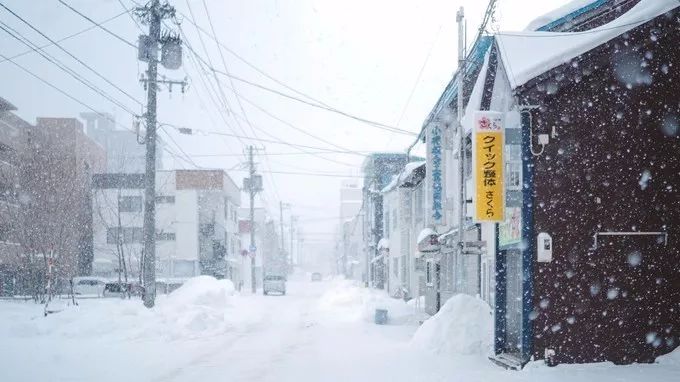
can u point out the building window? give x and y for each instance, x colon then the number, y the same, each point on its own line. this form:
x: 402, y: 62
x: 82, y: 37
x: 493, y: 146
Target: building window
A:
x: 387, y: 222
x: 130, y: 204
x: 513, y: 167
x: 468, y: 157
x: 184, y: 268
x: 419, y: 264
x: 129, y: 235
x: 394, y: 220
x: 428, y: 272
x: 165, y: 199
x: 419, y: 204
x: 165, y: 236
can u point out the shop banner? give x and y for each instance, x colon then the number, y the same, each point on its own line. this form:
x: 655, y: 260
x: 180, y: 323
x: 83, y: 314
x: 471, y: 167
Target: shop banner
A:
x: 487, y: 167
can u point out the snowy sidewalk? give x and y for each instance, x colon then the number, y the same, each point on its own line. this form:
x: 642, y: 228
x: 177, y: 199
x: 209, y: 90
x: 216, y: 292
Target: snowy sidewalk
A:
x: 318, y: 332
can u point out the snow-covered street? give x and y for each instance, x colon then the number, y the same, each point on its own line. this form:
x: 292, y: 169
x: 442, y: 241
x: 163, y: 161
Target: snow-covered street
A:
x: 320, y: 331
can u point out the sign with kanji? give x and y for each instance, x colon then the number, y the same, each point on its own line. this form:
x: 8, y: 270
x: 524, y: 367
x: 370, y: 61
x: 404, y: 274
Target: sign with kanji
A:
x: 436, y: 176
x: 487, y: 167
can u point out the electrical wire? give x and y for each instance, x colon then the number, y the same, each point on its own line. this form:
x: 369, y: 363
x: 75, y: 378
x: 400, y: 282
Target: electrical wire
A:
x: 65, y: 37
x: 99, y: 25
x: 55, y: 43
x: 6, y: 28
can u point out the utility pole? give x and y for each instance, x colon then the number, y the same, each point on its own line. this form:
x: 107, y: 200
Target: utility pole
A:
x: 292, y: 221
x: 153, y: 14
x: 460, y: 17
x: 253, y: 188
x: 283, y: 246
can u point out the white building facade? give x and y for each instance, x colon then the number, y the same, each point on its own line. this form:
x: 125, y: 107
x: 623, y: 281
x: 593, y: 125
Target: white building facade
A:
x: 196, y: 224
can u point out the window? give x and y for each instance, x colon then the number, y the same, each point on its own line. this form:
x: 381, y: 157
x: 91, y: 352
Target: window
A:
x: 165, y: 199
x: 130, y: 204
x: 129, y: 235
x: 468, y: 157
x: 419, y: 264
x: 394, y: 219
x: 165, y: 236
x: 419, y: 204
x: 428, y: 272
x: 513, y: 167
x: 183, y: 268
x: 387, y: 222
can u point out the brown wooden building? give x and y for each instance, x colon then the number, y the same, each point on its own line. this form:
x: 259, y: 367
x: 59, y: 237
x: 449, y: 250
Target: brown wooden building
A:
x: 596, y: 114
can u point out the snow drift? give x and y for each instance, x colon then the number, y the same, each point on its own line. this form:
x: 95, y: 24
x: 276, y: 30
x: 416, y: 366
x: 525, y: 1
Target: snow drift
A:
x: 463, y: 326
x: 349, y: 301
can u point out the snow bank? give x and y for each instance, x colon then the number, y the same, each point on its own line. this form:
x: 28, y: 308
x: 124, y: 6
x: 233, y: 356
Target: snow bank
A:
x: 197, y: 307
x: 463, y: 326
x: 349, y: 301
x: 201, y: 307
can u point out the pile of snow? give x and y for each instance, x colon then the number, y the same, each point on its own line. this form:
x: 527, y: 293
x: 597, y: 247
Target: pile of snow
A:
x: 350, y: 301
x: 463, y: 326
x: 198, y: 307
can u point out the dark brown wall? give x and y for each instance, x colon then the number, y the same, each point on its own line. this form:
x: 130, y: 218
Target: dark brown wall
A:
x: 616, y: 118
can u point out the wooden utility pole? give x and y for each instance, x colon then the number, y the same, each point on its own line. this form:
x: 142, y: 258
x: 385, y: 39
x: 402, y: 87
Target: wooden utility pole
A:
x: 153, y: 14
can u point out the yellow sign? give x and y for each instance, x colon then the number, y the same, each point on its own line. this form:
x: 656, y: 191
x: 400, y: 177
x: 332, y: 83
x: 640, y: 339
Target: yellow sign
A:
x: 488, y: 140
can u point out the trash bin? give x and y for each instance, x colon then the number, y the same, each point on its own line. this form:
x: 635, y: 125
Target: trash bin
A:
x: 381, y: 316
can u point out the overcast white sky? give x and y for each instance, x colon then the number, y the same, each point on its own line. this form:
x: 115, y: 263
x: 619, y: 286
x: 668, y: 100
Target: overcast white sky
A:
x: 359, y: 56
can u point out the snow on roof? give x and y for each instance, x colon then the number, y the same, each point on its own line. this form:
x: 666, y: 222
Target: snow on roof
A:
x: 391, y: 185
x: 549, y: 19
x: 527, y: 55
x: 409, y: 169
x: 424, y: 234
x: 475, y: 101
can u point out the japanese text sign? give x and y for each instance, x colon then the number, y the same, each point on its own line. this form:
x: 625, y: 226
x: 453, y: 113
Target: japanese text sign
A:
x: 487, y: 167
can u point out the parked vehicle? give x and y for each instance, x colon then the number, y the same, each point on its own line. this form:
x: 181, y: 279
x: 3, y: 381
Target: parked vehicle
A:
x: 122, y: 289
x: 274, y: 283
x: 92, y: 286
x: 316, y: 276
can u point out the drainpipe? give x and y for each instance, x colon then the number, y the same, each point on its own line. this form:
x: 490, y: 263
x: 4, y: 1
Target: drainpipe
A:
x: 460, y: 17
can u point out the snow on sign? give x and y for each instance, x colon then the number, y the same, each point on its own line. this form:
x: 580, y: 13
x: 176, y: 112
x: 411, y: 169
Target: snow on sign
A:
x: 488, y: 140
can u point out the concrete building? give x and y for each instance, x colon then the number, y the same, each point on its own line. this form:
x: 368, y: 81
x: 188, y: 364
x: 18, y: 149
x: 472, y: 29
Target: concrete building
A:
x: 378, y: 169
x: 196, y: 223
x: 124, y: 153
x: 58, y: 164
x: 404, y: 219
x: 12, y: 146
x: 267, y: 252
x: 348, y: 257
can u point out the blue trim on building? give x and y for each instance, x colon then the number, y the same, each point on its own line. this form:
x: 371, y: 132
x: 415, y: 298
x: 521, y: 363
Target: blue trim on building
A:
x: 571, y: 16
x: 528, y: 237
x: 475, y: 59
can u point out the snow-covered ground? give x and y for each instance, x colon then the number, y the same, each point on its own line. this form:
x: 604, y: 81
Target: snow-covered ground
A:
x: 320, y: 331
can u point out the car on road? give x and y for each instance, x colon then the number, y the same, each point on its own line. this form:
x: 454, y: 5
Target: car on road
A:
x: 316, y: 276
x: 122, y: 289
x: 88, y: 286
x: 274, y: 283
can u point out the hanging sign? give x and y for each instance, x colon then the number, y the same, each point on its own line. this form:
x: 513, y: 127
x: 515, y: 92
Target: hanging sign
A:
x: 435, y: 176
x: 487, y: 167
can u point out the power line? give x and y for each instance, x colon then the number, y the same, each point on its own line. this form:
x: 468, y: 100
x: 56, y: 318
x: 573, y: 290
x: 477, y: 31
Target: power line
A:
x: 99, y: 25
x: 311, y: 174
x: 254, y: 67
x: 134, y: 20
x: 55, y: 43
x: 6, y: 28
x: 65, y: 38
x: 69, y: 96
x: 288, y: 153
x: 180, y: 128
